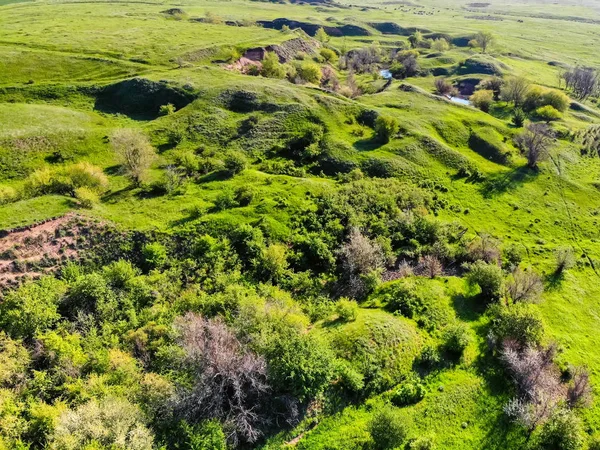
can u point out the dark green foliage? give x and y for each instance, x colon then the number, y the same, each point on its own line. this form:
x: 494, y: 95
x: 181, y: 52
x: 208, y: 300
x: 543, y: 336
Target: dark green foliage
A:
x: 388, y: 428
x: 31, y: 309
x: 408, y: 393
x: 563, y: 431
x: 235, y: 162
x: 456, y: 339
x: 520, y: 323
x: 205, y: 436
x: 155, y: 255
x: 300, y: 365
x: 488, y: 277
x: 404, y: 298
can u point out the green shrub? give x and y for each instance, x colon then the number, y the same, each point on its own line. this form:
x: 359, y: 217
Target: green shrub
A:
x: 235, y: 162
x: 328, y: 55
x: 155, y: 255
x: 309, y: 72
x: 456, y: 339
x: 489, y: 279
x: 86, y: 197
x: 118, y: 273
x: 188, y: 161
x: 483, y: 100
x: 271, y: 67
x: 225, y: 200
x: 422, y: 443
x: 403, y: 297
x: 8, y: 194
x: 557, y: 99
x: 388, y: 428
x: 300, y: 365
x: 563, y: 431
x: 386, y: 128
x: 166, y: 110
x: 521, y: 323
x: 32, y: 308
x: 548, y: 113
x: 244, y: 195
x: 518, y: 117
x: 430, y: 357
x: 408, y: 393
x: 346, y: 310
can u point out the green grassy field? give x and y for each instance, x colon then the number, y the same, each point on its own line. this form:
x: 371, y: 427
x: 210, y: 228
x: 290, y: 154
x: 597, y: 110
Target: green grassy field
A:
x: 57, y: 59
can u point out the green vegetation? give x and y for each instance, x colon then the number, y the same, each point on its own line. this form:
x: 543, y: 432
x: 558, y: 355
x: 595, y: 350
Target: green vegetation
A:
x: 312, y: 225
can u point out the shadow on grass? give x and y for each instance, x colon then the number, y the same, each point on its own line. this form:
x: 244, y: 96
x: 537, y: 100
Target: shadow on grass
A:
x: 113, y: 170
x: 553, y: 281
x: 220, y: 175
x: 468, y: 308
x: 367, y: 144
x: 115, y: 196
x: 502, y: 183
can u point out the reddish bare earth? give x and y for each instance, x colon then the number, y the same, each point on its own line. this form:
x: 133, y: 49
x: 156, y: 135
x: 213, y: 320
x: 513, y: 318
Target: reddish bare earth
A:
x: 38, y: 249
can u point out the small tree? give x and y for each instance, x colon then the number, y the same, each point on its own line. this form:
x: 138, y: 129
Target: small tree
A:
x: 443, y: 86
x: 484, y: 39
x: 440, y: 45
x: 415, y: 39
x: 386, y: 127
x: 518, y: 117
x: 548, y: 113
x: 493, y: 84
x: 525, y: 287
x: 564, y: 260
x: 483, y: 100
x: 134, y: 152
x: 514, y: 90
x: 536, y: 142
x: 322, y: 36
x: 309, y: 72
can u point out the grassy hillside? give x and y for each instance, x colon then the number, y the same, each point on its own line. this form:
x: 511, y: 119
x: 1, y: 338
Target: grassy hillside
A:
x: 297, y: 252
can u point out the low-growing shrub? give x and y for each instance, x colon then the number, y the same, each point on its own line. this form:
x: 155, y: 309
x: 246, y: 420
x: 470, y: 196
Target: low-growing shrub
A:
x: 388, y: 428
x: 456, y: 339
x: 489, y: 279
x: 86, y: 197
x: 244, y: 195
x: 408, y: 393
x: 235, y: 162
x: 386, y: 128
x: 483, y: 100
x: 548, y: 113
x: 166, y: 110
x: 346, y: 310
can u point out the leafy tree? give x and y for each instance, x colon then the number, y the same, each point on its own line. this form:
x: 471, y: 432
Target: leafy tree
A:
x: 440, y: 45
x: 31, y: 309
x: 301, y: 365
x: 415, y: 39
x: 108, y: 423
x: 520, y: 323
x: 134, y: 152
x: 514, y: 90
x: 484, y: 39
x: 322, y: 36
x: 535, y: 141
x: 493, y: 84
x: 309, y: 72
x: 386, y: 128
x: 328, y: 55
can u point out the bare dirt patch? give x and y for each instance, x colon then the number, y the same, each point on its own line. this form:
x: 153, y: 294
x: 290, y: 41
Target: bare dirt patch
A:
x: 32, y: 251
